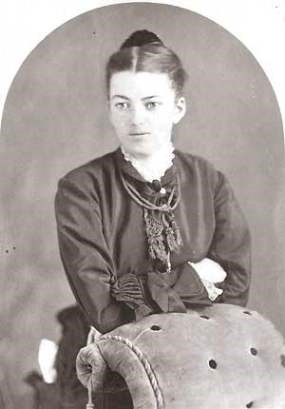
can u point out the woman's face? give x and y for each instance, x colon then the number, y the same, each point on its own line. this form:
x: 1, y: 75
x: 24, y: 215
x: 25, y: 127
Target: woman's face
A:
x: 143, y: 109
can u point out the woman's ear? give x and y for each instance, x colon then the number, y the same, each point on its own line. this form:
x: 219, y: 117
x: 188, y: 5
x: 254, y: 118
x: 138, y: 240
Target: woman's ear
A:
x: 180, y: 109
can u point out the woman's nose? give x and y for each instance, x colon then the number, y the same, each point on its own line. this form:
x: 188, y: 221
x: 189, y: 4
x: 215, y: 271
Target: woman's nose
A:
x: 137, y: 116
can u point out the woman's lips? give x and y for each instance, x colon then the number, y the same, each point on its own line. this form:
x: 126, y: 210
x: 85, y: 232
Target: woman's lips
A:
x: 139, y: 133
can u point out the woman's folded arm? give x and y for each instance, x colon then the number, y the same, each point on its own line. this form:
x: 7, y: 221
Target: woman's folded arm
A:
x: 85, y: 255
x: 230, y: 246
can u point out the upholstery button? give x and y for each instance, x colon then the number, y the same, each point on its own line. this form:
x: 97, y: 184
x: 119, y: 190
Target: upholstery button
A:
x: 213, y: 364
x: 205, y: 317
x: 253, y: 351
x: 250, y: 404
x: 155, y: 328
x: 247, y: 312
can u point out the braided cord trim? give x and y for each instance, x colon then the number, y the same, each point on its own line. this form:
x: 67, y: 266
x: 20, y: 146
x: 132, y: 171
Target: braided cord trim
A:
x: 147, y: 367
x: 140, y: 200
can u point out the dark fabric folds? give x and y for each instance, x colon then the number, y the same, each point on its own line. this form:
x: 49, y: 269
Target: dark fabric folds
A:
x: 129, y: 289
x: 165, y: 297
x: 190, y: 287
x: 155, y: 292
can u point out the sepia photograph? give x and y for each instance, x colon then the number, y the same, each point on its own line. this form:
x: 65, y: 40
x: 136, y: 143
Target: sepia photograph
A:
x: 142, y: 209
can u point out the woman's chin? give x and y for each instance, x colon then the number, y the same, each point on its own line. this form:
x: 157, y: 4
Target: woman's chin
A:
x: 141, y: 151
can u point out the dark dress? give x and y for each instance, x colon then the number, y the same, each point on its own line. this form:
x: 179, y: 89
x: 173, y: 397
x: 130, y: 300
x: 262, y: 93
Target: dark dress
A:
x: 102, y: 236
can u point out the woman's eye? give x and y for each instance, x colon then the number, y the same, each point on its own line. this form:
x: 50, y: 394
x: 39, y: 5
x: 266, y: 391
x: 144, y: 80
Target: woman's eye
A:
x: 151, y: 105
x: 122, y: 106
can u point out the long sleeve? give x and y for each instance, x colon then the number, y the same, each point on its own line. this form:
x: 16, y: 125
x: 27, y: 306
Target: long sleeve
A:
x: 230, y: 246
x: 85, y: 255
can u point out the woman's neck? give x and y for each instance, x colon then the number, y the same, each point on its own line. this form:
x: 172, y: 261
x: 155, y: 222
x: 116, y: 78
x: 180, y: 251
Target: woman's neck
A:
x: 153, y: 166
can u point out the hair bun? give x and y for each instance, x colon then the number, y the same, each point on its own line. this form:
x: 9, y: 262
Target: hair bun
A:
x: 141, y: 37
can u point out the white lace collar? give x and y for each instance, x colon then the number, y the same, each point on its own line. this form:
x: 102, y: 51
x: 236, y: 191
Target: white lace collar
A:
x: 153, y: 167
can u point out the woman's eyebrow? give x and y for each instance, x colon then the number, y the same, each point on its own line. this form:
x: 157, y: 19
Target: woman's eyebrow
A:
x: 152, y: 96
x: 120, y: 96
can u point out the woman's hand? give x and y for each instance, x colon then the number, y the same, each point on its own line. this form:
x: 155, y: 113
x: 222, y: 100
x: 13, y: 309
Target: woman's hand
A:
x: 209, y: 270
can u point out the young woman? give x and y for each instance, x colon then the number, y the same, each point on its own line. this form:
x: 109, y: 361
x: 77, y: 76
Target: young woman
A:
x: 136, y: 225
x: 130, y: 221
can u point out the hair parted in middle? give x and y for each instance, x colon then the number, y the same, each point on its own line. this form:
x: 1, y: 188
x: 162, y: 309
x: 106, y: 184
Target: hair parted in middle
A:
x: 143, y: 51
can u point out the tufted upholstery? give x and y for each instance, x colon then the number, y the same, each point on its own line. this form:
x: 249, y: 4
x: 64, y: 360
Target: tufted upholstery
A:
x: 222, y: 357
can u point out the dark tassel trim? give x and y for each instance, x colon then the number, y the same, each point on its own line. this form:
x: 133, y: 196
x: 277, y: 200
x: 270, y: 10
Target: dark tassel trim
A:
x: 154, y: 233
x: 176, y: 239
x: 163, y: 234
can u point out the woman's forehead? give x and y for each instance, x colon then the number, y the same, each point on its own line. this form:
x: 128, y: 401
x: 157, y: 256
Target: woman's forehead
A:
x: 140, y: 84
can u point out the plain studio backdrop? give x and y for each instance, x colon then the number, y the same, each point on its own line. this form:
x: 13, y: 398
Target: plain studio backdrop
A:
x: 55, y: 118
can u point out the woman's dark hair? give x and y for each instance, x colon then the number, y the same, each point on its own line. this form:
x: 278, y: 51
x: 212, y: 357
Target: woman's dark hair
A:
x: 143, y: 51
